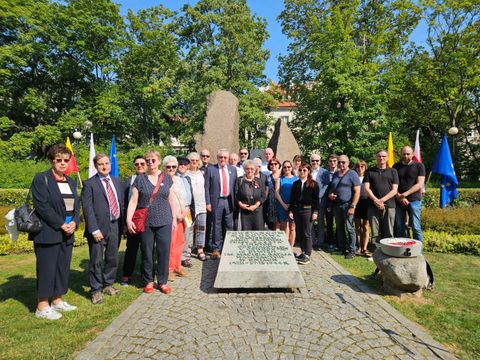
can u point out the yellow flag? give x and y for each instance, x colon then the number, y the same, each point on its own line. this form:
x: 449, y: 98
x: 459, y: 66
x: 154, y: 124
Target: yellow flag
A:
x: 391, y: 156
x: 72, y: 164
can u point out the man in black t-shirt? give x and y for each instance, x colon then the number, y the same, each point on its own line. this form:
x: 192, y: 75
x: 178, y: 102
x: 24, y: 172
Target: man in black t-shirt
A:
x: 381, y: 184
x: 411, y: 177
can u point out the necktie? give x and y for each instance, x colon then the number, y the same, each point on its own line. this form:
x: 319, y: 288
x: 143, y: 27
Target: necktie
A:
x: 114, y: 210
x: 224, y: 182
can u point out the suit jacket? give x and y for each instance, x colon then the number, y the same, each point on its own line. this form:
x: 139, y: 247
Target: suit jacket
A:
x: 50, y: 208
x: 96, y: 210
x: 212, y: 184
x: 323, y: 181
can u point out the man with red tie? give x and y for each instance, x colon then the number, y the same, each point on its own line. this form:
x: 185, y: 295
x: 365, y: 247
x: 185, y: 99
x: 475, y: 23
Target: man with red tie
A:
x: 220, y: 183
x: 103, y: 204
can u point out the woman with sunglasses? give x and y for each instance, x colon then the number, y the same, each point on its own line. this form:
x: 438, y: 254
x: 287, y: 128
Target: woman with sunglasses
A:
x: 283, y: 190
x: 303, y: 210
x: 270, y: 205
x: 362, y: 230
x: 250, y: 197
x: 57, y: 206
x: 198, y: 188
x: 158, y: 227
x: 170, y: 165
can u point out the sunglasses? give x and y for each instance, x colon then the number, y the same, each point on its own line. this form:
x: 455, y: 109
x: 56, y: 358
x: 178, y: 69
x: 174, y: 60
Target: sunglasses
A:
x: 206, y: 156
x: 153, y: 161
x: 243, y: 153
x: 314, y: 160
x: 223, y: 157
x: 274, y: 164
x: 58, y: 161
x: 170, y: 167
x: 139, y: 164
x: 303, y: 170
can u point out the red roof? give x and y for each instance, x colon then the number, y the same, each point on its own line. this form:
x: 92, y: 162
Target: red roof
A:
x: 285, y: 104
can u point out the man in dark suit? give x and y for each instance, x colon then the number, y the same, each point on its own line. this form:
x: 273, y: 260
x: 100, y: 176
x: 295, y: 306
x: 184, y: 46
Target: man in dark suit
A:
x: 103, y: 207
x: 220, y: 188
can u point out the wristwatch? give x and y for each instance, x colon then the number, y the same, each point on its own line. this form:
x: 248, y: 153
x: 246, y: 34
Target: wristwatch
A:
x: 353, y: 206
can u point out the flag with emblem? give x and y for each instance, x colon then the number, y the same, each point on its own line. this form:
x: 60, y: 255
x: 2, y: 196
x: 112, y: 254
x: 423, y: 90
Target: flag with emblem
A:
x: 443, y: 165
x: 113, y: 158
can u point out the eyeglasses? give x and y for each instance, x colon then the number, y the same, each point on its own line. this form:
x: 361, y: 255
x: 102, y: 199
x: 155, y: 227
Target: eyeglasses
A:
x: 206, y: 156
x: 223, y: 157
x: 271, y: 164
x: 342, y: 162
x: 303, y: 170
x: 244, y: 153
x: 139, y: 164
x: 287, y: 167
x: 314, y: 160
x: 170, y: 167
x: 58, y: 161
x: 153, y: 161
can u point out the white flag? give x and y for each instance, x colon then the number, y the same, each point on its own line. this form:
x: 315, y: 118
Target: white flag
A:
x: 91, y: 167
x: 416, y: 152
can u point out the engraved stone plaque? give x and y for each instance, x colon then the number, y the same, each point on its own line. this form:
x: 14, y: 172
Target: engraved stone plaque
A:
x: 257, y: 259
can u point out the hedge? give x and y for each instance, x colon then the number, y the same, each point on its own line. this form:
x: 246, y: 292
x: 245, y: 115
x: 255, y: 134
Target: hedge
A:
x: 452, y: 220
x: 444, y: 242
x: 466, y: 198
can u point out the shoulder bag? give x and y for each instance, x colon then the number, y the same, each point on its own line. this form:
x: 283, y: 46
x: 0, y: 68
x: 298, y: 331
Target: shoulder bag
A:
x: 139, y: 217
x: 25, y: 217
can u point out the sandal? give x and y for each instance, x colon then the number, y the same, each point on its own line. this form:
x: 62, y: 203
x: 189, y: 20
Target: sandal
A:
x: 201, y: 256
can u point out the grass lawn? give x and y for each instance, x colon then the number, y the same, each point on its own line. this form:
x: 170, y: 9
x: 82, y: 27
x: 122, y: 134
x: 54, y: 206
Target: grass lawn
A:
x: 451, y: 312
x: 23, y: 336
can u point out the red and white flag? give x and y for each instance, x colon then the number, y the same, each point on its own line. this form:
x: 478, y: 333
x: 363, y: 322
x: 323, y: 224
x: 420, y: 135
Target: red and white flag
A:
x: 417, y: 156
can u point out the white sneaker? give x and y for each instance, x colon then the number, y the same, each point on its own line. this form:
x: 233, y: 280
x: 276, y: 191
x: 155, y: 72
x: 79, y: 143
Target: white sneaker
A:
x: 48, y: 313
x: 63, y: 306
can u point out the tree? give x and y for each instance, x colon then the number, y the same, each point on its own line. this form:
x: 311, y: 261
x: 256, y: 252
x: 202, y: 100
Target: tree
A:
x: 339, y: 68
x: 222, y: 44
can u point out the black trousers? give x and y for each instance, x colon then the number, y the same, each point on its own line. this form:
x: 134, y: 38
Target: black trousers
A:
x: 104, y: 259
x: 156, y: 239
x: 329, y: 217
x: 303, y: 228
x: 130, y: 259
x: 53, y: 268
x: 252, y: 220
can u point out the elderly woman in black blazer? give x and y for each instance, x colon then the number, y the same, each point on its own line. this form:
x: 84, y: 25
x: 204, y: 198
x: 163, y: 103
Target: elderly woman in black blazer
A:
x: 57, y: 205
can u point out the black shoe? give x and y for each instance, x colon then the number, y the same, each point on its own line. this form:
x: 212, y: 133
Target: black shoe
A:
x: 304, y: 260
x: 349, y: 256
x: 299, y: 257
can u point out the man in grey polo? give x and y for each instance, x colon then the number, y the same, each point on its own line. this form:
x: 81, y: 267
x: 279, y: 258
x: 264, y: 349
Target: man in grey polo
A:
x: 381, y: 185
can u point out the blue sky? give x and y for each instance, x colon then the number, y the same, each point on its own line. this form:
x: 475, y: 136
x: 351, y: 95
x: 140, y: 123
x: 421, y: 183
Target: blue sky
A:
x: 268, y: 9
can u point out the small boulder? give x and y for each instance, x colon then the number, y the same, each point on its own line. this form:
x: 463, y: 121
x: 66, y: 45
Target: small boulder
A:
x: 401, y: 275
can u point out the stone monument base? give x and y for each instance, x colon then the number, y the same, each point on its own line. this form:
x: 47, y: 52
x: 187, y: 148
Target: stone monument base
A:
x: 257, y: 259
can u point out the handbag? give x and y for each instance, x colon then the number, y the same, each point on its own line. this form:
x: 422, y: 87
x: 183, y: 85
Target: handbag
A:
x: 26, y: 219
x: 139, y: 217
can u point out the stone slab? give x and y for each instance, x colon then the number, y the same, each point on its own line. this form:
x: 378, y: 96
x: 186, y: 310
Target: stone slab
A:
x: 257, y: 259
x: 283, y: 142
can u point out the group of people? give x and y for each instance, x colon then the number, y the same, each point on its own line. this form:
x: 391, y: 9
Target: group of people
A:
x: 192, y: 203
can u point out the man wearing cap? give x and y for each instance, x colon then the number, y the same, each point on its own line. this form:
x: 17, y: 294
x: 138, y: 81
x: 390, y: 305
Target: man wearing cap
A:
x: 183, y: 163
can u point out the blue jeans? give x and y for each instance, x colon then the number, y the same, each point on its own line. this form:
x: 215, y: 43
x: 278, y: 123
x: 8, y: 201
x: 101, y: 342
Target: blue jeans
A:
x: 413, y: 209
x: 345, y: 223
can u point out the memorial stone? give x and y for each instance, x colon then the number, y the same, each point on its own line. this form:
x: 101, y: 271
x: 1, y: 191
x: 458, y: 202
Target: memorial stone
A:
x: 257, y: 259
x: 283, y: 142
x: 222, y: 123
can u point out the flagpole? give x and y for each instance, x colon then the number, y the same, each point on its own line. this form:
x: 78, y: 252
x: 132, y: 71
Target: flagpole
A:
x: 80, y: 180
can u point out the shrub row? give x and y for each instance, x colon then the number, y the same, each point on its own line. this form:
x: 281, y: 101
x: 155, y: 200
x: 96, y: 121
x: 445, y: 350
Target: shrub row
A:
x: 466, y: 198
x: 12, y: 197
x: 452, y: 220
x: 444, y: 242
x: 23, y: 245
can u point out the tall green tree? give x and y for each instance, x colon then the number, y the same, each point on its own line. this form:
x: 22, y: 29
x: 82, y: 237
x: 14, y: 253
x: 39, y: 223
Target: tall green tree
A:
x: 222, y: 44
x: 341, y: 59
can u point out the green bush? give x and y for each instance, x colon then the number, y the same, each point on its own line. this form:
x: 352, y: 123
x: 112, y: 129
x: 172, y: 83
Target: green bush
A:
x: 466, y: 198
x: 444, y: 242
x: 452, y: 220
x: 12, y: 197
x: 23, y: 245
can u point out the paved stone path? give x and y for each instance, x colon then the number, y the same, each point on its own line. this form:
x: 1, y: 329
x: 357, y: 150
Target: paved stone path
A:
x: 335, y: 317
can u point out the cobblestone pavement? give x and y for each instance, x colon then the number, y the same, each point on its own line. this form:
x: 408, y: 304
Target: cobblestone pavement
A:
x: 335, y: 317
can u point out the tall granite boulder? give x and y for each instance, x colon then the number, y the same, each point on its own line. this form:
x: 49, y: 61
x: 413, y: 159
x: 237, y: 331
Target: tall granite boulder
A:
x: 402, y: 275
x: 221, y: 126
x: 283, y: 142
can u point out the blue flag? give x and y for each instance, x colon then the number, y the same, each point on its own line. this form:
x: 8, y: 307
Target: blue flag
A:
x: 113, y: 158
x: 443, y: 165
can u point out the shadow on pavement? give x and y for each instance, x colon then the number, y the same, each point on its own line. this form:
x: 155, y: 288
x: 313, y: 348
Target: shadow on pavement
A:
x: 354, y: 283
